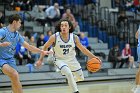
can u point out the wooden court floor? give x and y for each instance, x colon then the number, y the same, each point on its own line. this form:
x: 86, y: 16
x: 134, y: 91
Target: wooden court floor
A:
x: 88, y: 87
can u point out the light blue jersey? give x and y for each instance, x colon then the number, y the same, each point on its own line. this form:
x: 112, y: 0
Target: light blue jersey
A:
x: 7, y: 53
x: 138, y: 48
x: 13, y: 38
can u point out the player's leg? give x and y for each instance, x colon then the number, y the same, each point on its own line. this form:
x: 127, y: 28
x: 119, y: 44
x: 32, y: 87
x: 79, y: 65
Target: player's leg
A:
x: 8, y: 68
x: 65, y: 70
x: 78, y: 75
x: 76, y: 69
x: 72, y: 83
x: 14, y: 77
x: 137, y: 90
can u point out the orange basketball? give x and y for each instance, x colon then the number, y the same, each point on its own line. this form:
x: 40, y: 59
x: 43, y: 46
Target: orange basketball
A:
x: 93, y: 65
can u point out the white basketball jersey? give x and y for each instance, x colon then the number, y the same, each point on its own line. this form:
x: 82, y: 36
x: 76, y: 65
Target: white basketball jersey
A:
x: 64, y: 50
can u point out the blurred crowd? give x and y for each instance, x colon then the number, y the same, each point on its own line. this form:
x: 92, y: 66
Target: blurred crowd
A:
x: 52, y: 12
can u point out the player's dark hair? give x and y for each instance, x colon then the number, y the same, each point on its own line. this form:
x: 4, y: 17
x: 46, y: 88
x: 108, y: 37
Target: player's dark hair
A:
x: 14, y: 17
x: 59, y: 24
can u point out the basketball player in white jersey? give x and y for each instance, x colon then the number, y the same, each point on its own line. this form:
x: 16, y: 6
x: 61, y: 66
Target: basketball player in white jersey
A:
x: 137, y: 35
x: 64, y: 42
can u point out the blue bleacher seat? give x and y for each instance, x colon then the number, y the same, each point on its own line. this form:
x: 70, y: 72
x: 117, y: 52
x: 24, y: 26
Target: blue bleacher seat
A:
x: 116, y: 40
x: 121, y: 45
x: 90, y: 32
x: 100, y: 35
x: 95, y: 30
x: 134, y: 53
x: 110, y: 41
x: 104, y: 34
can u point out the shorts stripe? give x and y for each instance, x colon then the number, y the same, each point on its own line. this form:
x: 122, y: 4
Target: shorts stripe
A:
x: 3, y: 65
x: 63, y: 66
x: 77, y: 70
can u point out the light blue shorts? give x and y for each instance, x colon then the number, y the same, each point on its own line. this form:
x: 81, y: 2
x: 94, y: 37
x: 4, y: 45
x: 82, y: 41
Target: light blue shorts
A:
x: 138, y: 54
x: 11, y: 62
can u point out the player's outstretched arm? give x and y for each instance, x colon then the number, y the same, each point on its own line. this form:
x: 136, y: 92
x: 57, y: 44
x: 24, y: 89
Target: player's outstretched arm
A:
x: 45, y: 47
x: 83, y: 49
x: 34, y: 49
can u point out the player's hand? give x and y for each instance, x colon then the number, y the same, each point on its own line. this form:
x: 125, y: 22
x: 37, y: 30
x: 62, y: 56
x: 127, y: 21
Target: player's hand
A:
x: 38, y: 63
x: 99, y: 59
x: 4, y: 44
x: 46, y: 52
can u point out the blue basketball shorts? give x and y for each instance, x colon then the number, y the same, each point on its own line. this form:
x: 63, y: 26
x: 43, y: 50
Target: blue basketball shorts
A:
x: 11, y: 62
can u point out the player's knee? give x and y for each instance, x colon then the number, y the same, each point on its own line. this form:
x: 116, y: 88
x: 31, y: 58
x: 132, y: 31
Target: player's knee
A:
x: 14, y: 75
x: 69, y: 74
x: 66, y: 71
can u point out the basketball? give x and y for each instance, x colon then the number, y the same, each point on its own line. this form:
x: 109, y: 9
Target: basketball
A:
x: 94, y: 65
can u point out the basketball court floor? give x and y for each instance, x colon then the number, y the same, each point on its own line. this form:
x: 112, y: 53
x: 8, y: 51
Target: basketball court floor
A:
x: 123, y: 86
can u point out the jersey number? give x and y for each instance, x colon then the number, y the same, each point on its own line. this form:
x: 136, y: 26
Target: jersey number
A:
x: 65, y: 51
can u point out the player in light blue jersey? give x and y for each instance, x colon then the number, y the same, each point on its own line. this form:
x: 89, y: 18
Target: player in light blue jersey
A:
x: 64, y: 43
x: 137, y: 35
x: 9, y: 37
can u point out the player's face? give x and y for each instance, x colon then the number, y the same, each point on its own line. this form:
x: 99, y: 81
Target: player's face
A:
x: 64, y: 27
x: 17, y: 25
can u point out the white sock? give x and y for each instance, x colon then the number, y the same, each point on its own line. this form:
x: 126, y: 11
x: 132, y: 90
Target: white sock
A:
x: 72, y: 83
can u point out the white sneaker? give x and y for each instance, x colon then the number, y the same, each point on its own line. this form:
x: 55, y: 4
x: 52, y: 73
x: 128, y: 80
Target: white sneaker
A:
x: 137, y: 90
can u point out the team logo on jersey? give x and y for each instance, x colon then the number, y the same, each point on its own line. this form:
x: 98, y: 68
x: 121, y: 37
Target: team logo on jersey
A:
x: 65, y: 46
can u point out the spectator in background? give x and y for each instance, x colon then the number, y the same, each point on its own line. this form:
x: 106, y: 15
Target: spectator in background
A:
x: 40, y: 41
x: 127, y: 57
x: 22, y: 53
x: 40, y: 16
x: 46, y: 38
x: 122, y: 19
x: 84, y: 41
x: 68, y: 15
x: 114, y: 56
x: 33, y: 56
x: 136, y: 3
x: 129, y: 4
x: 28, y: 5
x: 2, y: 20
x: 52, y: 14
x: 27, y: 36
